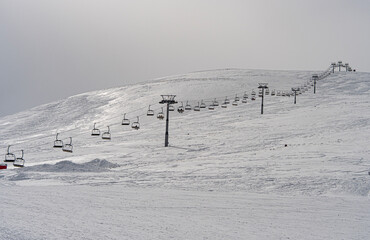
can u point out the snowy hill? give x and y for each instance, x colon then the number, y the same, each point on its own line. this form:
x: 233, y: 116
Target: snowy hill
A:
x: 298, y: 171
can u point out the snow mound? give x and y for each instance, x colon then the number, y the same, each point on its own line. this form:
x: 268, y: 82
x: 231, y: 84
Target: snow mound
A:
x: 96, y: 165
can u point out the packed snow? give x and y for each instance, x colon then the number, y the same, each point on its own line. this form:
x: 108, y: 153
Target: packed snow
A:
x: 299, y: 171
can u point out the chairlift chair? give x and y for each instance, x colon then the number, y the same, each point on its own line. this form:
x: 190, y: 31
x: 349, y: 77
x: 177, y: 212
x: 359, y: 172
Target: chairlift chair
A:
x: 211, y: 107
x: 273, y: 93
x: 215, y: 103
x: 260, y: 93
x: 19, y: 162
x: 283, y: 93
x: 253, y: 98
x: 180, y: 109
x: 136, y: 125
x: 95, y: 131
x: 237, y: 99
x: 58, y: 143
x: 245, y: 95
x: 203, y: 105
x: 125, y: 121
x: 150, y: 112
x: 235, y: 103
x: 227, y: 101
x: 68, y: 147
x: 224, y: 104
x: 253, y: 93
x: 267, y: 92
x: 278, y: 93
x: 187, y: 106
x: 9, y: 157
x: 160, y: 115
x: 171, y: 108
x: 244, y: 100
x: 197, y: 108
x: 106, y: 135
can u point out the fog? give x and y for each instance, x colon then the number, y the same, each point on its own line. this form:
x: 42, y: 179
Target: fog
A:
x: 54, y: 49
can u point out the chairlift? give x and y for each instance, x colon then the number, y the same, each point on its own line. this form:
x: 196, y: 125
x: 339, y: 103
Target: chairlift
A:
x: 253, y: 98
x: 224, y: 104
x: 68, y: 147
x: 260, y: 93
x: 227, y: 101
x: 235, y: 103
x: 150, y: 112
x: 171, y: 108
x: 160, y: 115
x: 244, y: 100
x: 236, y: 98
x: 125, y: 121
x: 245, y: 95
x: 9, y: 157
x: 267, y: 92
x: 187, y: 106
x: 278, y: 93
x: 58, y: 143
x: 136, y: 125
x: 283, y: 94
x: 211, y: 107
x: 19, y: 162
x: 180, y: 109
x: 253, y: 93
x: 215, y: 103
x: 273, y: 93
x: 197, y: 108
x: 106, y: 135
x: 95, y: 131
x: 203, y: 105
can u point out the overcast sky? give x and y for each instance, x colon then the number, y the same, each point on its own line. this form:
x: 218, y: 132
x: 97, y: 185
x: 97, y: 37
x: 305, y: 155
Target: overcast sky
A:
x: 51, y: 49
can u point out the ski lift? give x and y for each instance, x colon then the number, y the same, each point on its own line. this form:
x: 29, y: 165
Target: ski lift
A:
x: 273, y: 93
x: 9, y: 157
x: 267, y: 92
x: 278, y: 93
x: 125, y: 121
x: 215, y: 103
x: 197, y: 108
x: 58, y: 143
x: 171, y: 108
x: 227, y: 101
x: 253, y: 93
x: 211, y: 107
x: 253, y: 98
x: 180, y: 109
x: 283, y: 93
x: 106, y: 135
x: 160, y: 115
x: 202, y: 105
x: 245, y: 95
x: 236, y: 98
x: 187, y: 106
x: 68, y: 147
x: 150, y: 112
x: 136, y: 125
x: 224, y: 104
x: 235, y: 103
x: 244, y: 100
x: 19, y: 162
x: 3, y: 166
x: 95, y: 131
x: 260, y: 93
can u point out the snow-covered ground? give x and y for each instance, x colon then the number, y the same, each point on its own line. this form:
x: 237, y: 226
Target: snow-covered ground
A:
x: 299, y: 171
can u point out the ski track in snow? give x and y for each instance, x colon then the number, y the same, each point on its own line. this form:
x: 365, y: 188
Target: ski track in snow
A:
x: 226, y: 175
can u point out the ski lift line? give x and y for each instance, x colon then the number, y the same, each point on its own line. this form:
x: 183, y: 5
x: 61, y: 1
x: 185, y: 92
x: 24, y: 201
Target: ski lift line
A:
x: 324, y: 74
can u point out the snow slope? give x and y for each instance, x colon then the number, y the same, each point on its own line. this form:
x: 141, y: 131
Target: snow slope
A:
x: 296, y: 172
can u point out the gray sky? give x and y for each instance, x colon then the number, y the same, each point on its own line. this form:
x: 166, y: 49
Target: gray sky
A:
x: 51, y: 49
